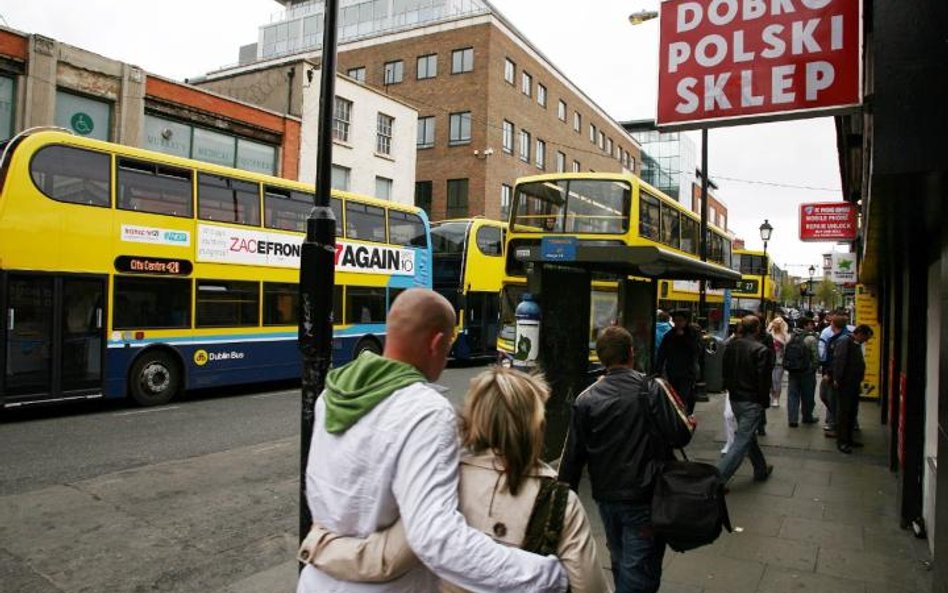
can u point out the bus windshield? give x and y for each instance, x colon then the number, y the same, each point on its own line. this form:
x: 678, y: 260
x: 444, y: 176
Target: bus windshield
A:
x: 593, y: 206
x: 447, y: 245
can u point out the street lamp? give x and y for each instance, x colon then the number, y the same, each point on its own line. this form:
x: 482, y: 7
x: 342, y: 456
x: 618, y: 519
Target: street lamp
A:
x: 812, y: 271
x: 765, y: 231
x: 637, y: 18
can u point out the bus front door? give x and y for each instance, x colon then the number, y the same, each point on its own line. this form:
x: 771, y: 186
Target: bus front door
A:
x: 54, y: 337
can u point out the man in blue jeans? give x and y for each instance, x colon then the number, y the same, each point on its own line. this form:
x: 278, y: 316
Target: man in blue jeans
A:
x: 747, y: 378
x: 623, y: 427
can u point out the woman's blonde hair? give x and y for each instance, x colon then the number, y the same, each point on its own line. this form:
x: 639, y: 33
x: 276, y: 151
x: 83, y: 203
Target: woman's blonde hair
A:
x: 778, y: 326
x: 504, y: 413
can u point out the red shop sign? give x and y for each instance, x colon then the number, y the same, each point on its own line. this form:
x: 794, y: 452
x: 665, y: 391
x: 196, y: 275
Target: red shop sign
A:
x: 828, y: 221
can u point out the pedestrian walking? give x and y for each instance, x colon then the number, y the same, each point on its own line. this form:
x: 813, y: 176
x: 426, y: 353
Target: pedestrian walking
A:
x: 778, y: 331
x: 623, y: 427
x: 662, y: 326
x: 801, y: 361
x: 838, y: 327
x: 385, y: 446
x: 849, y: 369
x: 747, y: 376
x: 678, y: 356
x: 505, y: 491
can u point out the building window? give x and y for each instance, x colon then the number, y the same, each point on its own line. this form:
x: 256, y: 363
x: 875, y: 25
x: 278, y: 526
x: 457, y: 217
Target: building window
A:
x: 631, y: 163
x: 576, y: 167
x: 560, y: 162
x: 610, y: 146
x: 506, y: 195
x: 84, y: 116
x: 510, y: 71
x: 383, y: 134
x: 341, y: 117
x: 525, y: 146
x: 460, y: 128
x: 561, y: 110
x: 426, y: 131
x: 340, y: 177
x: 508, y: 137
x: 7, y: 95
x: 427, y: 66
x: 394, y: 72
x: 541, y: 95
x: 462, y: 60
x: 526, y: 84
x: 423, y: 196
x: 171, y: 137
x: 357, y: 73
x: 577, y: 121
x: 592, y: 133
x: 541, y: 154
x: 383, y: 188
x: 457, y: 198
x: 602, y: 140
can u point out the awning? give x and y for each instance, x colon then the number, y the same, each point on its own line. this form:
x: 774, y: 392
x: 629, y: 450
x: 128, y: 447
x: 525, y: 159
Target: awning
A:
x: 623, y: 260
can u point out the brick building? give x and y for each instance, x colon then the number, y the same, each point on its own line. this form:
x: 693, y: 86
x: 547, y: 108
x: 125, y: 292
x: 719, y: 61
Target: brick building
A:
x: 490, y: 106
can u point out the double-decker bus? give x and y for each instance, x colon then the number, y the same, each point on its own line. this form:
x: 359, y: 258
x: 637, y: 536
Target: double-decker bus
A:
x: 686, y: 294
x: 757, y: 278
x: 598, y: 208
x: 130, y: 272
x: 468, y: 256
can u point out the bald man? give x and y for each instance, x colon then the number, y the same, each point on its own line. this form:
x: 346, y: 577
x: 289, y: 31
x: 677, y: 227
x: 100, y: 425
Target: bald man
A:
x: 385, y: 445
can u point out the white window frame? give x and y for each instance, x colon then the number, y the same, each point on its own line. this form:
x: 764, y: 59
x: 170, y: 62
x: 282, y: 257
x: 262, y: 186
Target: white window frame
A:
x: 384, y: 124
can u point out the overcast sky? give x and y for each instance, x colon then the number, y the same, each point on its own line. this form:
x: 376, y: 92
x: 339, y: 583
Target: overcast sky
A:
x: 763, y: 171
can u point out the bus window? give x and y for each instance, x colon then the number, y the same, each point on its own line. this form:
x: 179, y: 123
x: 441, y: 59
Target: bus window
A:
x: 223, y: 199
x: 406, y: 229
x: 285, y: 209
x: 73, y: 175
x: 540, y: 205
x: 365, y: 222
x: 650, y: 213
x: 596, y: 207
x: 150, y: 187
x: 689, y: 234
x: 365, y: 305
x: 280, y: 303
x: 227, y: 303
x: 670, y: 227
x: 337, y: 305
x: 151, y: 303
x: 489, y: 240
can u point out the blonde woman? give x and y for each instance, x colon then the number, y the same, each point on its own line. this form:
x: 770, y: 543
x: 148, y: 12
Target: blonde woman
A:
x: 778, y: 331
x: 505, y: 492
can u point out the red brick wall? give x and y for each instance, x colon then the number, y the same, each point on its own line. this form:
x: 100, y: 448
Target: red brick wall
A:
x: 13, y: 45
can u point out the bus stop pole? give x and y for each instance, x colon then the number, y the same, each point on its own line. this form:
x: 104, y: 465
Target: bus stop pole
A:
x: 317, y: 264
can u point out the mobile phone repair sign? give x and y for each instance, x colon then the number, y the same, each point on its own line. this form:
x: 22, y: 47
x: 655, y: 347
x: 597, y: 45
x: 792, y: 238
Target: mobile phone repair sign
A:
x: 724, y: 62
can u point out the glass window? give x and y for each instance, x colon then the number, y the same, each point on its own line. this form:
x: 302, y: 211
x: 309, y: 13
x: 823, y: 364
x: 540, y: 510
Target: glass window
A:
x: 689, y: 234
x: 592, y: 133
x: 227, y: 303
x: 426, y: 132
x: 508, y: 133
x: 405, y: 228
x: 342, y: 114
x: 423, y: 191
x: 383, y: 133
x: 561, y: 110
x: 506, y: 194
x: 280, y: 303
x: 526, y: 84
x: 462, y: 60
x: 457, y: 198
x: 151, y: 303
x: 84, y: 116
x: 670, y: 229
x: 73, y: 175
x: 155, y: 188
x: 256, y: 157
x: 7, y: 96
x: 541, y: 94
x: 213, y: 147
x: 541, y: 154
x: 357, y: 73
x: 460, y: 128
x: 340, y: 177
x: 383, y: 188
x: 365, y: 222
x: 560, y: 162
x: 525, y: 146
x: 365, y: 305
x: 609, y: 145
x: 576, y: 167
x: 288, y: 210
x: 577, y: 121
x: 223, y: 199
x: 573, y: 206
x: 650, y: 212
x: 602, y: 140
x: 489, y: 240
x: 394, y: 72
x: 169, y: 137
x: 510, y: 70
x: 427, y: 66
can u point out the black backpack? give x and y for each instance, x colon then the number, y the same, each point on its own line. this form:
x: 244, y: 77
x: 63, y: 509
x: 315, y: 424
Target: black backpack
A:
x: 688, y: 507
x: 831, y: 347
x: 796, y: 356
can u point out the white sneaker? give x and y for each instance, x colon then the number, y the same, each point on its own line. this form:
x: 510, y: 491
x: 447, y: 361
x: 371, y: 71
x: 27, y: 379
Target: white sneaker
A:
x: 775, y: 403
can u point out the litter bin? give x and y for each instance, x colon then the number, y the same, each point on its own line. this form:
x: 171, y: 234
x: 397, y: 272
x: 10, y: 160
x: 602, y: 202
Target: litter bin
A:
x: 713, y: 367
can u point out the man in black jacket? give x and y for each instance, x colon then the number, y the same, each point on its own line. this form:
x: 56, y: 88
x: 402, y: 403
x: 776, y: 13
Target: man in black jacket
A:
x: 678, y: 357
x: 849, y: 369
x: 747, y: 377
x: 623, y: 427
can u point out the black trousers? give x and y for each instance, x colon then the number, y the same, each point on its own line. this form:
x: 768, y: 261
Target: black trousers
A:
x: 847, y: 408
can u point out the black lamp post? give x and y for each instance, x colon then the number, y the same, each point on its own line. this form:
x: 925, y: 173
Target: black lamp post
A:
x: 765, y: 231
x: 810, y: 288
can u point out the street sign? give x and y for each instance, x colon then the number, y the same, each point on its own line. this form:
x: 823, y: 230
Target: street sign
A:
x: 755, y: 60
x: 828, y: 221
x: 844, y: 268
x: 558, y: 248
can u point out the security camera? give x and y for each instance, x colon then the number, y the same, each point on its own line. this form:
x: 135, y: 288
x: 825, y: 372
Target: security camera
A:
x: 489, y: 151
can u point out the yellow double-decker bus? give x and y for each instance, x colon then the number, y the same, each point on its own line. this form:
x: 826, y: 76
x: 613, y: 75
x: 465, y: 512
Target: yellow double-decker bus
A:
x: 597, y: 209
x: 468, y: 255
x: 130, y: 272
x: 756, y: 291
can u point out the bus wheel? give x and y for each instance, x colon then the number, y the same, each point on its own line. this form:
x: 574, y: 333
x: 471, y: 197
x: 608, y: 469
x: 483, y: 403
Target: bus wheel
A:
x: 367, y: 345
x: 155, y: 379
